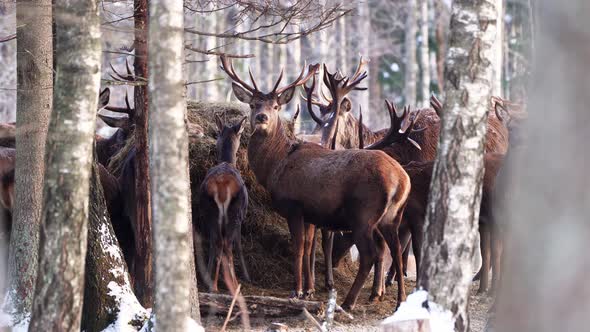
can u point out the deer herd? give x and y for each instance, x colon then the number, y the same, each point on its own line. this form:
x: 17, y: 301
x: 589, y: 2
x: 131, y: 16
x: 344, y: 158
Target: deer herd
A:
x: 359, y: 187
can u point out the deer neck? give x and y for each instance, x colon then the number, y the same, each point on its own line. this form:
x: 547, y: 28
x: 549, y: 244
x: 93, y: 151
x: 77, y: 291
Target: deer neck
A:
x: 227, y: 154
x: 266, y: 152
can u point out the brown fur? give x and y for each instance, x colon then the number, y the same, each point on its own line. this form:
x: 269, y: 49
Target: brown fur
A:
x: 224, y: 186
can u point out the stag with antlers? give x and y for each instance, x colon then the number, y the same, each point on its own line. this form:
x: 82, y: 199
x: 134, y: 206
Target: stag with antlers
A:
x: 350, y: 190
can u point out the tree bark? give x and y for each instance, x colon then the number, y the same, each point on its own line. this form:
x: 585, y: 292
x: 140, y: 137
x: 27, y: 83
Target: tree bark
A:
x: 34, y: 99
x: 59, y: 290
x: 169, y: 160
x: 424, y: 55
x: 143, y: 221
x: 410, y: 46
x: 108, y: 295
x: 455, y: 192
x: 545, y: 208
x: 497, y: 58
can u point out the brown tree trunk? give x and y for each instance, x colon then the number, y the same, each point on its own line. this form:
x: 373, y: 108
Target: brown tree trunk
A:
x: 57, y: 305
x: 455, y: 192
x: 107, y: 289
x: 34, y: 99
x: 143, y: 221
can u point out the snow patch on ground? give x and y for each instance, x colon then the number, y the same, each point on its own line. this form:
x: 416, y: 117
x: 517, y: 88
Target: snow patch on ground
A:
x: 441, y: 320
x: 190, y: 325
x: 7, y: 318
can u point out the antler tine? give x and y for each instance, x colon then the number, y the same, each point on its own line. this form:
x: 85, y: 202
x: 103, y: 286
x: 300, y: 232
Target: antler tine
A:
x: 362, y: 63
x: 326, y: 97
x: 361, y: 138
x: 314, y: 101
x: 252, y: 78
x: 228, y: 68
x: 301, y: 79
x: 436, y: 104
x: 296, y: 114
x: 333, y: 144
x: 309, y: 92
x: 129, y: 71
x: 278, y: 81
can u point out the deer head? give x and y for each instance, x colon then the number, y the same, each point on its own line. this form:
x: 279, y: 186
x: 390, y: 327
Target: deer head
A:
x: 228, y: 140
x: 264, y: 107
x: 340, y: 105
x: 400, y: 129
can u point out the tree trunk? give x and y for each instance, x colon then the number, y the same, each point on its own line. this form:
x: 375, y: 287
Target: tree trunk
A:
x: 108, y: 296
x: 410, y: 45
x: 546, y: 215
x: 57, y: 305
x: 498, y: 50
x: 143, y: 221
x: 424, y: 54
x: 169, y: 157
x: 364, y: 12
x: 34, y: 99
x: 455, y: 192
x: 8, y: 62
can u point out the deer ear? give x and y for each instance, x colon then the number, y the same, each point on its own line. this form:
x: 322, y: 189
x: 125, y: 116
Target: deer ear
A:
x: 103, y: 97
x: 286, y: 96
x: 219, y: 123
x: 346, y: 105
x: 242, y: 94
x: 239, y: 128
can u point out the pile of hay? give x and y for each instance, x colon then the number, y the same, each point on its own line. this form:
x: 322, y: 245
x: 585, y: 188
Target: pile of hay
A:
x: 265, y: 235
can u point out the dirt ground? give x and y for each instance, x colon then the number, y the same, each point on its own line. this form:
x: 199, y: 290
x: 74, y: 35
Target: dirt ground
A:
x: 366, y: 316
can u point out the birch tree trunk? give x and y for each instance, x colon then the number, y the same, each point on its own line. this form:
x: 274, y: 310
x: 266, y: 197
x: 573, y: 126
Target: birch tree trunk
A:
x: 169, y: 159
x: 364, y: 48
x: 455, y: 192
x: 410, y: 45
x: 34, y: 99
x: 424, y: 55
x: 8, y: 62
x: 537, y: 293
x: 57, y: 304
x: 498, y: 50
x: 143, y: 220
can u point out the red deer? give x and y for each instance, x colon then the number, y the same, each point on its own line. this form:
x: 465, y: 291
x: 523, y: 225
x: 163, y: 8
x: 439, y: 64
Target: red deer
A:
x: 224, y: 201
x: 352, y: 190
x: 7, y: 158
x: 8, y: 135
x: 106, y: 147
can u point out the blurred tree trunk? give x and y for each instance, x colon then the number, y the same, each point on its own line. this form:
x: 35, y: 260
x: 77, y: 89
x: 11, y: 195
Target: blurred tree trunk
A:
x: 442, y: 25
x: 424, y: 54
x: 546, y: 264
x: 455, y: 191
x: 410, y: 46
x: 364, y: 12
x: 34, y: 99
x: 169, y: 157
x: 143, y: 221
x: 57, y: 305
x: 8, y: 62
x: 497, y: 59
x: 108, y: 295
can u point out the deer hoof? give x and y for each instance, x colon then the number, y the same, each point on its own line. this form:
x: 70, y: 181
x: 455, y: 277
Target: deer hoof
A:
x: 389, y: 281
x: 347, y: 306
x: 375, y: 298
x: 296, y: 295
x: 309, y: 294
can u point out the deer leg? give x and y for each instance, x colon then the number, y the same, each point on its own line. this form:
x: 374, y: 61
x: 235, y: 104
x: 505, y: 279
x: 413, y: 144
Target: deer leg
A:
x: 405, y: 238
x: 341, y: 245
x: 308, y: 261
x: 367, y: 254
x: 496, y: 244
x: 377, y: 290
x: 240, y: 253
x: 417, y: 240
x: 405, y: 256
x: 213, y: 263
x: 327, y: 246
x: 484, y: 239
x: 297, y: 230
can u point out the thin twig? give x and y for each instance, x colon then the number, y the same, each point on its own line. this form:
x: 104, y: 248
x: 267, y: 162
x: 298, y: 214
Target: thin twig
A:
x: 202, y: 51
x: 8, y: 38
x: 313, y: 320
x: 204, y: 81
x: 231, y: 307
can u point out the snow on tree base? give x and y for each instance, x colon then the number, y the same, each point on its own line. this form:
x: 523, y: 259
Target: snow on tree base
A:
x: 419, y: 314
x: 190, y: 326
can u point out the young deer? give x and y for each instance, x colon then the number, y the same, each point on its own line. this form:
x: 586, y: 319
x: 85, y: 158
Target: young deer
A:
x: 350, y: 190
x: 224, y: 202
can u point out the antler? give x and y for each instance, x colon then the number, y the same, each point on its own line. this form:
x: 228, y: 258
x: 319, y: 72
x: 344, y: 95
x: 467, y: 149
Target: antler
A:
x: 361, y: 138
x: 400, y: 129
x: 309, y: 100
x: 228, y: 68
x: 359, y: 68
x: 300, y: 80
x: 127, y: 109
x: 436, y: 104
x: 341, y: 86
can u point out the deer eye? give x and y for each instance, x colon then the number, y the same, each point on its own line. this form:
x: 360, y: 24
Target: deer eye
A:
x: 276, y: 107
x: 252, y: 106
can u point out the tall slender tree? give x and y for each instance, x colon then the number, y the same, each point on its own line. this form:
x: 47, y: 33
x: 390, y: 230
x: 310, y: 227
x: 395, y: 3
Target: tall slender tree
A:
x: 143, y: 219
x: 424, y: 55
x: 455, y: 191
x: 169, y: 160
x: 410, y: 46
x: 59, y: 290
x: 34, y: 100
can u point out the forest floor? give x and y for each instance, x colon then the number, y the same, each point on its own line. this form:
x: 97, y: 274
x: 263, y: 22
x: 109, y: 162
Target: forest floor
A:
x: 367, y: 316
